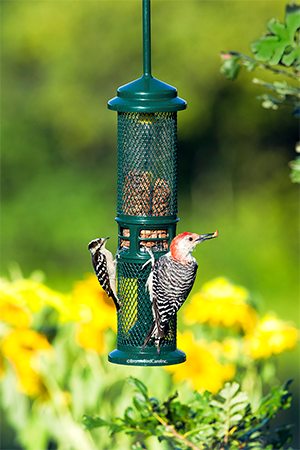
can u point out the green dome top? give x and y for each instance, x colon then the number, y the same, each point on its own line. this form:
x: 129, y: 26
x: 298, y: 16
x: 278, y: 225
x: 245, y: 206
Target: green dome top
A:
x: 147, y: 94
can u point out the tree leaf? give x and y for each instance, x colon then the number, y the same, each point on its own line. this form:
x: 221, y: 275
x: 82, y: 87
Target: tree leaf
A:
x: 241, y: 397
x: 281, y: 45
x: 138, y: 385
x: 129, y: 414
x: 217, y: 404
x: 114, y: 428
x: 231, y: 67
x: 141, y: 403
x: 238, y: 407
x: 235, y: 418
x: 229, y: 390
x: 269, y: 102
x: 94, y: 422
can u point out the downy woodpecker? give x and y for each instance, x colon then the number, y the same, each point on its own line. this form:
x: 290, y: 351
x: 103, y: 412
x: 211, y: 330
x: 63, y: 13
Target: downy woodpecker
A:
x: 170, y: 282
x: 104, y: 267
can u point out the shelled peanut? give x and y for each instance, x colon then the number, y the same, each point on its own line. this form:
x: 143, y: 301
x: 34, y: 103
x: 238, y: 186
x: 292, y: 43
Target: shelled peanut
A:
x: 137, y: 193
x: 154, y: 234
x: 124, y: 243
x: 161, y: 198
x: 143, y: 198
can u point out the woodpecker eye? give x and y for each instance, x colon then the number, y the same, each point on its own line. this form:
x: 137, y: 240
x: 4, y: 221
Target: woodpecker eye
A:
x: 190, y: 239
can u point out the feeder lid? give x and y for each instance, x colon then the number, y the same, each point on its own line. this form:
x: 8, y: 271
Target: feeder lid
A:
x: 147, y: 94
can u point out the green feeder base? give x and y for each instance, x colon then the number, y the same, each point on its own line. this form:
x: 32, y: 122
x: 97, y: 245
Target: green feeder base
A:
x: 149, y: 357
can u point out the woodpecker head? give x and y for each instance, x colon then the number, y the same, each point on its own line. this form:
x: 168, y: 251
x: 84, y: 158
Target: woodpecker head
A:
x: 183, y: 244
x: 97, y: 244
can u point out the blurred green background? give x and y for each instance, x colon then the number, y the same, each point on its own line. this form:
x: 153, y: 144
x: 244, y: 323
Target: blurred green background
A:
x: 63, y: 60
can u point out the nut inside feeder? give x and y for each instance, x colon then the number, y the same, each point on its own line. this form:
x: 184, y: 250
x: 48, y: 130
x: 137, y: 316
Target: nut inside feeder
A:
x: 146, y: 204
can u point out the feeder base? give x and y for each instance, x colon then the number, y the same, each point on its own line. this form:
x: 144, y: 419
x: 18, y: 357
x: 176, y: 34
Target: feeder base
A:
x: 167, y: 357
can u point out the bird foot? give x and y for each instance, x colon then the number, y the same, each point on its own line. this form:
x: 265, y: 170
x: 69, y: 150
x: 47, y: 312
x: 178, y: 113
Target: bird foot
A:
x: 151, y: 260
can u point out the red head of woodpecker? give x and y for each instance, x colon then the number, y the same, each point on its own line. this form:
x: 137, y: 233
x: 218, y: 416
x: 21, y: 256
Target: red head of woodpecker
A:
x: 183, y: 244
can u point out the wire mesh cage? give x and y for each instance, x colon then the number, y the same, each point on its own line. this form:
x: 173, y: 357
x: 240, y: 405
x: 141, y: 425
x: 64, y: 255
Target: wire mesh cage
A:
x: 146, y: 205
x: 135, y: 318
x: 147, y: 164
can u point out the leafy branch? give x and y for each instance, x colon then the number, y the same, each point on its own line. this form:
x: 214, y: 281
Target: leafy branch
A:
x: 239, y: 59
x: 279, y: 47
x: 225, y: 422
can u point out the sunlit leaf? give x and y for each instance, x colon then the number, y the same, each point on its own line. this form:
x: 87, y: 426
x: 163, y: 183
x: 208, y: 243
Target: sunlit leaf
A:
x: 93, y: 422
x: 241, y: 397
x: 128, y: 414
x: 140, y: 403
x: 231, y: 67
x: 217, y: 404
x: 138, y: 385
x: 281, y: 44
x: 229, y: 390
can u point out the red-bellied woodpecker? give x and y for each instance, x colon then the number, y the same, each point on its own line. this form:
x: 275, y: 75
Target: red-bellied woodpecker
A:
x: 170, y: 282
x: 105, y: 268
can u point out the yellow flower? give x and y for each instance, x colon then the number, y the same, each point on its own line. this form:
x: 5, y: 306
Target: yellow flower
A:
x: 13, y: 314
x: 90, y: 337
x: 221, y: 303
x: 271, y: 336
x: 22, y: 347
x: 26, y: 292
x: 230, y: 348
x: 100, y: 316
x: 227, y: 350
x: 201, y: 368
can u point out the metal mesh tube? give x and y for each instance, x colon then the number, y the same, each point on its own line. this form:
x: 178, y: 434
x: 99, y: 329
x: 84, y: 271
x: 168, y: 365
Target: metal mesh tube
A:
x: 147, y: 164
x: 135, y: 316
x: 147, y: 216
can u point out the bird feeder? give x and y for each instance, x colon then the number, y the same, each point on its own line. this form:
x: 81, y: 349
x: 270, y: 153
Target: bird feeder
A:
x: 146, y: 205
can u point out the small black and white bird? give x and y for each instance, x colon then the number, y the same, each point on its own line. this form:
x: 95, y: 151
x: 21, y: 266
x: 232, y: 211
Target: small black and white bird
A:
x: 105, y: 268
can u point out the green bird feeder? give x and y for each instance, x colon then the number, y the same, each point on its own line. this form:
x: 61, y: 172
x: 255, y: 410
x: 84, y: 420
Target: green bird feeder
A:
x: 146, y: 205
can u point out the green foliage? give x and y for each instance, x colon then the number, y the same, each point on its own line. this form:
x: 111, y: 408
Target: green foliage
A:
x: 226, y: 422
x: 279, y: 47
x: 295, y: 173
x: 231, y: 65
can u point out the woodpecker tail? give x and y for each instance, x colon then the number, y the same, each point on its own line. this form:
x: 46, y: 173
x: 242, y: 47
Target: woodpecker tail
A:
x: 149, y: 336
x: 153, y: 333
x: 116, y: 300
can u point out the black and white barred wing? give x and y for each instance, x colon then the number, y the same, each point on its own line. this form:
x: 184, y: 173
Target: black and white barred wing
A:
x: 100, y: 269
x: 171, y: 284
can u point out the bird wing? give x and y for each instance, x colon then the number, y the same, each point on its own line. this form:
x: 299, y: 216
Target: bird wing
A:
x: 100, y: 269
x: 172, y: 283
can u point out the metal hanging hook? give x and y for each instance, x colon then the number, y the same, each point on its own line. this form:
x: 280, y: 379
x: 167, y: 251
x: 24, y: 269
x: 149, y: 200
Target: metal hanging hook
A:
x: 146, y: 39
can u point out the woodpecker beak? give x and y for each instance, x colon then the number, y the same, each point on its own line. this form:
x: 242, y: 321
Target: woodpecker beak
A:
x: 205, y: 237
x: 103, y: 242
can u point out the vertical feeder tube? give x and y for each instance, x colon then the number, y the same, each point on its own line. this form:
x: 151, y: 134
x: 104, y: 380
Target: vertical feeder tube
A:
x: 146, y: 39
x: 146, y: 205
